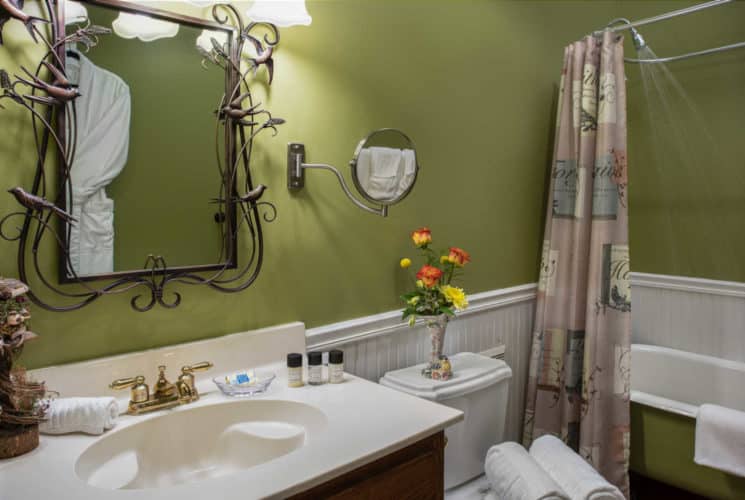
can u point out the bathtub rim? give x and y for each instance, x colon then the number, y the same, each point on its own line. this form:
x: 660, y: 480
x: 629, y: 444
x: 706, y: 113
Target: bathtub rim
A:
x: 664, y: 404
x: 671, y: 405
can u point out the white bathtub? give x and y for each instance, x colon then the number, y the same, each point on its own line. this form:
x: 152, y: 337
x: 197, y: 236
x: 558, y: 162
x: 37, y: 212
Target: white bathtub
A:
x: 680, y: 381
x: 667, y: 388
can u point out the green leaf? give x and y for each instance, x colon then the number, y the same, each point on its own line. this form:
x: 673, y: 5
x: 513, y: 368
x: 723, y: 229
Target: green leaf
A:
x: 447, y: 311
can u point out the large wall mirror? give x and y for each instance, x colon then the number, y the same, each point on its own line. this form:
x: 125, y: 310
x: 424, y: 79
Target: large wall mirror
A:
x: 143, y: 178
x: 151, y: 117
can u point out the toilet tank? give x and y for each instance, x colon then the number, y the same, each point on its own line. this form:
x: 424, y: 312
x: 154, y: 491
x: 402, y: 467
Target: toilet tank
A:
x: 479, y: 388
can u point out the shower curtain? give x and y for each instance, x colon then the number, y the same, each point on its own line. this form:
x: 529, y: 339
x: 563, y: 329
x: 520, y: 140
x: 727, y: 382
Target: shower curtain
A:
x: 578, y: 385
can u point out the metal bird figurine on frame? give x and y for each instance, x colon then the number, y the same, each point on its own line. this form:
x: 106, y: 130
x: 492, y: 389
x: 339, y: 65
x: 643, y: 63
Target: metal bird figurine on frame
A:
x: 60, y: 91
x: 34, y: 202
x: 11, y: 9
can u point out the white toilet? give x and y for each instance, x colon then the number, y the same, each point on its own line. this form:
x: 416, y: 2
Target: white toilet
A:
x: 479, y: 388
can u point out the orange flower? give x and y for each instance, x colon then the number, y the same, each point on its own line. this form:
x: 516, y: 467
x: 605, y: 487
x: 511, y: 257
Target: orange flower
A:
x: 429, y: 275
x: 459, y: 257
x: 422, y: 237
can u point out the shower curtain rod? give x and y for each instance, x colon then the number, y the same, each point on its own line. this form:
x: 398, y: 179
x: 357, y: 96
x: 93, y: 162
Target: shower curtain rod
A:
x: 669, y: 15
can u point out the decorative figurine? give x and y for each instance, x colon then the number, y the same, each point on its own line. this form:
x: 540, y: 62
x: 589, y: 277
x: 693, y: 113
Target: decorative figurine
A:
x: 446, y: 369
x: 263, y: 56
x: 34, y: 202
x: 11, y: 9
x: 21, y: 406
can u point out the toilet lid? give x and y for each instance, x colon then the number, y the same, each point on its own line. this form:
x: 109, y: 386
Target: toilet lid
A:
x: 471, y: 372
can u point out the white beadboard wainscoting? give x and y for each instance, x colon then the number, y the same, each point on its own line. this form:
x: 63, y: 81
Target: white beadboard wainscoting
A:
x: 497, y: 322
x: 692, y: 314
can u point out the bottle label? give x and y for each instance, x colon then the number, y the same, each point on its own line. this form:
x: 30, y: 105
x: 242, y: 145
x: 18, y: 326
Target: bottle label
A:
x: 314, y: 375
x: 294, y: 376
x: 336, y: 373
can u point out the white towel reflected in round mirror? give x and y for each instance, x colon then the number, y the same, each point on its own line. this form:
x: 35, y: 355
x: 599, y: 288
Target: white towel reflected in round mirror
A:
x: 385, y: 167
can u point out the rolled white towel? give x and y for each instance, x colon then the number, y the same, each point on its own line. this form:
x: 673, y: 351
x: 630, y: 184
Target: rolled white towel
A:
x: 514, y: 475
x: 572, y: 472
x: 89, y: 415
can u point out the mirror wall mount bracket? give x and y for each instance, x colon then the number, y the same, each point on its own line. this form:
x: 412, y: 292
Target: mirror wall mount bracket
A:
x: 296, y: 168
x: 33, y: 226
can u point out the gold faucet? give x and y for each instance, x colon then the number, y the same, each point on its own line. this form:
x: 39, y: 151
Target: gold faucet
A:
x: 165, y: 394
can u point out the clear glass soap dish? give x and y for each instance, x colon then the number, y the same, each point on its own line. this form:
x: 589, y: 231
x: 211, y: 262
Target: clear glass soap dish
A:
x: 257, y: 383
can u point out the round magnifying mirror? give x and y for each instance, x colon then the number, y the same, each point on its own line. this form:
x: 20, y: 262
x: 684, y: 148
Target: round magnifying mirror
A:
x: 385, y: 167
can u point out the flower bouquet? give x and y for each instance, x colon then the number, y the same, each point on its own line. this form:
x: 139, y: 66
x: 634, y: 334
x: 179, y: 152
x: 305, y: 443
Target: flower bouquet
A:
x: 434, y: 298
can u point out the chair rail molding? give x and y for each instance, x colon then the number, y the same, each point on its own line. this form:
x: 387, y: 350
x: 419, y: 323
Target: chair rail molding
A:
x: 386, y: 323
x: 389, y: 322
x: 688, y: 284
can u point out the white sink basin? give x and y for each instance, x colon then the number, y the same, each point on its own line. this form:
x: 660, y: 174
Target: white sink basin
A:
x: 198, y: 443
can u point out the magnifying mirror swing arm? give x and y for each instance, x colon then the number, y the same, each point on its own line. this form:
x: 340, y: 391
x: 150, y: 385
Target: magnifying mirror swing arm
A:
x: 296, y: 167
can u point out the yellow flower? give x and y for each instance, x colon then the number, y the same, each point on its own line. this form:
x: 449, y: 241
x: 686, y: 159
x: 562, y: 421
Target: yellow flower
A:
x: 414, y: 300
x: 420, y: 283
x: 444, y: 259
x: 455, y: 296
x: 404, y: 263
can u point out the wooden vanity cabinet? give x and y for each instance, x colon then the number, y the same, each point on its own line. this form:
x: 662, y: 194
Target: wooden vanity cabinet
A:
x: 414, y: 472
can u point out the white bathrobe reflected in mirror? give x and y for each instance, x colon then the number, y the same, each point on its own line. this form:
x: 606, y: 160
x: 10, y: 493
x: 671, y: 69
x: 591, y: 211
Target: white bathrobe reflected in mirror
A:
x: 102, y: 143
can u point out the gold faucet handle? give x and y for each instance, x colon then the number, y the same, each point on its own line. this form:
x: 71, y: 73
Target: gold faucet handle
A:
x: 198, y: 367
x: 140, y: 391
x: 186, y: 382
x: 125, y: 383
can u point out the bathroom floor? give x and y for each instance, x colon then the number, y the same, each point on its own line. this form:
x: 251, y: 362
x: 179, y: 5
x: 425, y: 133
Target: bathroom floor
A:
x: 475, y: 489
x: 644, y: 488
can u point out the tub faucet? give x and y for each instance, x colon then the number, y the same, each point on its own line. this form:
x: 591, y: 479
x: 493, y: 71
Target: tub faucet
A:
x: 165, y: 394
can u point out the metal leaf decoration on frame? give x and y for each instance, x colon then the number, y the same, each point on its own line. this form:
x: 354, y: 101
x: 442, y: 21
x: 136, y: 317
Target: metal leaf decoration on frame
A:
x: 241, y: 199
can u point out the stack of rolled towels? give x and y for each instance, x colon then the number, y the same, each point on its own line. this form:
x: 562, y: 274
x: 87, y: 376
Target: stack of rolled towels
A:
x: 88, y: 415
x: 550, y: 471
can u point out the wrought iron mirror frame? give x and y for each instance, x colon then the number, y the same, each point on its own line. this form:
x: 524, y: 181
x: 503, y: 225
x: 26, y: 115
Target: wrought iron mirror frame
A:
x: 239, y: 200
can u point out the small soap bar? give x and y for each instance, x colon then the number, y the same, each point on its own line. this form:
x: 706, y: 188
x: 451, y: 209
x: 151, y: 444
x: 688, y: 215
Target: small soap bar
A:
x: 241, y: 378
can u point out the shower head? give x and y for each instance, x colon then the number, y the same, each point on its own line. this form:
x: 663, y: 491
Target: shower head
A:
x: 639, y: 42
x: 638, y: 39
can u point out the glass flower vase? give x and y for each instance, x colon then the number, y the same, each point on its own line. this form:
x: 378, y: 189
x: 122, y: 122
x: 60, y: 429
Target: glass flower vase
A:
x: 436, y: 327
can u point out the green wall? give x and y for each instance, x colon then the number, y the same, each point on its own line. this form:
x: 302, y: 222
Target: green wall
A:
x: 473, y: 83
x: 686, y: 153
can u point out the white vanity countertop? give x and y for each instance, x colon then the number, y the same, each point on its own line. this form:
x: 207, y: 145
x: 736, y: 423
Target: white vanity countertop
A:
x: 365, y: 421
